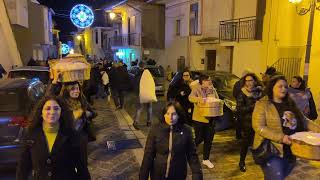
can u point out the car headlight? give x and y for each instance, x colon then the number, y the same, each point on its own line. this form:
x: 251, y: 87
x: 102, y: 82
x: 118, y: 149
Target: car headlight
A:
x: 230, y: 104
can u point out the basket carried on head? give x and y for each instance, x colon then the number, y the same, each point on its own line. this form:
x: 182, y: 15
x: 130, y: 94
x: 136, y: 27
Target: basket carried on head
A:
x: 306, y: 145
x: 211, y: 107
x: 69, y: 70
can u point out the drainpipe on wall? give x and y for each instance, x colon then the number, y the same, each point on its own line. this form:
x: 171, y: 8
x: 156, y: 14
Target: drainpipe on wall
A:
x: 233, y: 9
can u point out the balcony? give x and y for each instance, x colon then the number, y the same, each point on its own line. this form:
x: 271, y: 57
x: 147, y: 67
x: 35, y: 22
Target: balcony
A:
x: 132, y: 39
x: 240, y: 29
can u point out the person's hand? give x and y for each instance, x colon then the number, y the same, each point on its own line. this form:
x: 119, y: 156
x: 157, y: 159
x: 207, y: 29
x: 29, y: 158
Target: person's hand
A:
x: 88, y: 113
x: 182, y: 93
x: 201, y: 100
x: 286, y: 140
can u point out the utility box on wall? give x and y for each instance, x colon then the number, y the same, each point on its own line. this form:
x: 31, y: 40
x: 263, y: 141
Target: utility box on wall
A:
x: 181, y: 63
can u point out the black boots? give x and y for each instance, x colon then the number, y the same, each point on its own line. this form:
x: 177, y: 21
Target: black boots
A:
x: 242, y: 166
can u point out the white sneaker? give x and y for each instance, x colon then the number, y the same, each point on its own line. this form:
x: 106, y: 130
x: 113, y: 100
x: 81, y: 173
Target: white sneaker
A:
x: 208, y: 164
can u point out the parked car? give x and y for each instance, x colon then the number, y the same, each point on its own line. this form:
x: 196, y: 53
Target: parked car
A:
x: 158, y: 75
x: 31, y: 72
x: 18, y: 96
x: 223, y: 82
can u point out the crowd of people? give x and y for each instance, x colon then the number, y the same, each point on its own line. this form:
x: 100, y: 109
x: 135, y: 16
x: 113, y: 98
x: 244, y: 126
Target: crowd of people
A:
x: 267, y: 113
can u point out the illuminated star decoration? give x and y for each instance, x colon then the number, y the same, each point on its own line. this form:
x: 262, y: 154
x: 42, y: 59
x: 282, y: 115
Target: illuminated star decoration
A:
x: 81, y: 16
x: 65, y: 48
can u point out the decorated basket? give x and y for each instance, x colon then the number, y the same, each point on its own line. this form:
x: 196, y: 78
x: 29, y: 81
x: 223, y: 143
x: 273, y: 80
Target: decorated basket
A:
x: 211, y: 108
x: 306, y: 145
x: 68, y: 70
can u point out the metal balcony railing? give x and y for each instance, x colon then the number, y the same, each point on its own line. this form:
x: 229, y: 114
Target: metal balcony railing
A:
x: 132, y: 39
x: 238, y: 29
x: 119, y: 40
x: 288, y: 66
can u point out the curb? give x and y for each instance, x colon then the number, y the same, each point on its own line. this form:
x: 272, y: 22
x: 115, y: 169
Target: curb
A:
x: 125, y: 123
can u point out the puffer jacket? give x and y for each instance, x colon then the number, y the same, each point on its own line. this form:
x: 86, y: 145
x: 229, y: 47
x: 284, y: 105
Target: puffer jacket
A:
x: 196, y: 96
x: 266, y: 123
x: 158, y: 160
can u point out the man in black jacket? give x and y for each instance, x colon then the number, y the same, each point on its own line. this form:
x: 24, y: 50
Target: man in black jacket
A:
x: 119, y: 80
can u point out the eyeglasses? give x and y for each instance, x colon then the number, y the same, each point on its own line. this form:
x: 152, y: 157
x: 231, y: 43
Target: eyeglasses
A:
x: 186, y: 75
x: 249, y: 80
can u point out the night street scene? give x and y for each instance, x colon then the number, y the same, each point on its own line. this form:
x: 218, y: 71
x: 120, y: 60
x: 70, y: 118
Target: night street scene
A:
x: 159, y: 90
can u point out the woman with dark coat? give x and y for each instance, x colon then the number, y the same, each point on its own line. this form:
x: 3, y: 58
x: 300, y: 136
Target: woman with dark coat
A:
x: 51, y: 148
x: 246, y: 101
x: 180, y: 93
x: 303, y: 98
x: 169, y: 148
x: 81, y: 111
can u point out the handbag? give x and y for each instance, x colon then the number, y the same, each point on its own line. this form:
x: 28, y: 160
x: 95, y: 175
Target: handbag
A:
x: 264, y: 152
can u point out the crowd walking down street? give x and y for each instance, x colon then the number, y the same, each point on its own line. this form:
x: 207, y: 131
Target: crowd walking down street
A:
x: 159, y: 90
x: 70, y: 138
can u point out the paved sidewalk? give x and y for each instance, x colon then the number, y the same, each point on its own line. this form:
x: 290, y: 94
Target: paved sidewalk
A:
x: 106, y: 163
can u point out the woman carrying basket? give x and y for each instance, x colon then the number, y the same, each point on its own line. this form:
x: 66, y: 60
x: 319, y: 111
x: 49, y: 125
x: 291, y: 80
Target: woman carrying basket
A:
x: 203, y: 126
x: 274, y: 119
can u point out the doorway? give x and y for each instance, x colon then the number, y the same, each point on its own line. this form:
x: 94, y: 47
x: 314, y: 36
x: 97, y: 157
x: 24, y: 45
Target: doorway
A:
x: 211, y: 59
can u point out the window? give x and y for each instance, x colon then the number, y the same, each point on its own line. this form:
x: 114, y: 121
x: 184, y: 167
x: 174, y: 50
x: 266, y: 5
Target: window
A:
x: 102, y: 38
x: 178, y: 24
x: 97, y: 37
x: 194, y: 14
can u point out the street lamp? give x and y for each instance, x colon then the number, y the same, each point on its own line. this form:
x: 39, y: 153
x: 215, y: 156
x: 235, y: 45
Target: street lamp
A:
x: 303, y: 11
x: 112, y: 15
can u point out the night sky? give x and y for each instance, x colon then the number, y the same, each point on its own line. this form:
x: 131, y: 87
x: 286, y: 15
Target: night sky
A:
x: 64, y: 7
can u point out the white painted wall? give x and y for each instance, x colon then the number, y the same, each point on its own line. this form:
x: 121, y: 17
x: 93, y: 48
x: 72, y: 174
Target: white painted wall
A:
x: 215, y: 11
x: 8, y: 48
x: 18, y: 12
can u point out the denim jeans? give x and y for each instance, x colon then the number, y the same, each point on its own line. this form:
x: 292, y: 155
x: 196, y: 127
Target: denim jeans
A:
x: 139, y: 108
x: 277, y: 168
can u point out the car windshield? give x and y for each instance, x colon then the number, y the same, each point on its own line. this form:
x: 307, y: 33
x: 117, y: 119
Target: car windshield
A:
x: 224, y: 82
x: 156, y: 72
x: 43, y: 76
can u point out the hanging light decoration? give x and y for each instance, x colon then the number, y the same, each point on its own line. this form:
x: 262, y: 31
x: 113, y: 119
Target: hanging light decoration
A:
x: 65, y: 49
x: 81, y: 16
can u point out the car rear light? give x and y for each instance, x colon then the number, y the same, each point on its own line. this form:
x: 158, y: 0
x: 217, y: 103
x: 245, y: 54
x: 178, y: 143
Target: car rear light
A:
x: 19, y: 120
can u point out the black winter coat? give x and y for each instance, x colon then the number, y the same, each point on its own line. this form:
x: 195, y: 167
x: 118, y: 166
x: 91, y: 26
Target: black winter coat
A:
x: 119, y: 78
x: 65, y: 162
x: 245, y: 107
x: 157, y: 150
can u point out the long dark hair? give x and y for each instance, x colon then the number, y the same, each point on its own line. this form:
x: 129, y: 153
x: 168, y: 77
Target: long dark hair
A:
x: 177, y: 107
x: 300, y: 80
x: 287, y: 100
x: 65, y: 94
x: 65, y: 120
x: 272, y: 83
x: 253, y: 75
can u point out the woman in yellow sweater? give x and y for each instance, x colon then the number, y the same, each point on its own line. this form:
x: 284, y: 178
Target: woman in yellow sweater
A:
x: 51, y: 148
x: 81, y: 111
